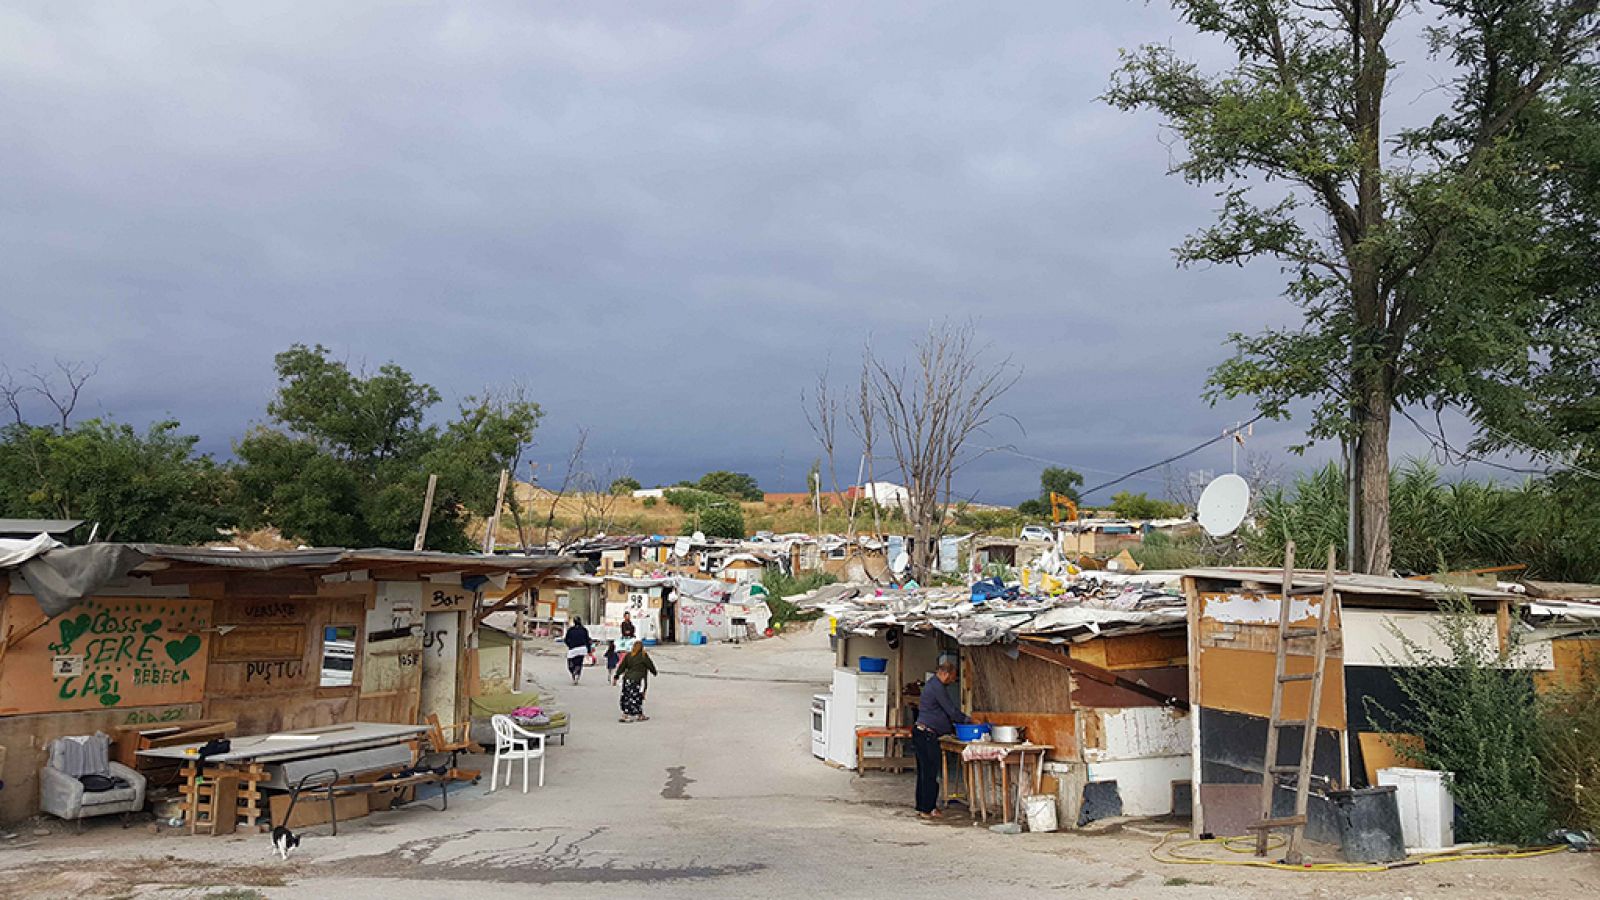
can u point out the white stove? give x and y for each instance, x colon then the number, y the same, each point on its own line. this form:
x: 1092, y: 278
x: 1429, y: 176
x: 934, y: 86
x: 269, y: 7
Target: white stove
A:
x: 819, y: 725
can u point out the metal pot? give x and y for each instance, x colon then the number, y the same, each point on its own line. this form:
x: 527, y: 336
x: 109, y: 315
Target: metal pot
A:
x: 1006, y: 734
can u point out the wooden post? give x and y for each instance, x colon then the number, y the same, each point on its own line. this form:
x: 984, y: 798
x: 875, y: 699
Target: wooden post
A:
x: 427, y: 513
x: 516, y: 647
x: 1191, y: 596
x: 494, y: 520
x: 1502, y: 626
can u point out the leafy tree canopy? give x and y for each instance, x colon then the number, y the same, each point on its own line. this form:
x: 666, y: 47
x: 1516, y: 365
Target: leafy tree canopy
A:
x: 731, y: 484
x: 346, y: 458
x: 625, y: 485
x: 1128, y: 505
x: 1431, y: 266
x: 149, y: 486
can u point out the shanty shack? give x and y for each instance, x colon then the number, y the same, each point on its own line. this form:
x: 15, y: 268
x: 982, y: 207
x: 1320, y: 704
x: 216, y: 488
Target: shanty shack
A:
x: 108, y: 635
x: 1155, y: 689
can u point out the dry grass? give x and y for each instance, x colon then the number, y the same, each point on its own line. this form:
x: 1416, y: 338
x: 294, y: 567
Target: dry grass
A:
x: 629, y: 515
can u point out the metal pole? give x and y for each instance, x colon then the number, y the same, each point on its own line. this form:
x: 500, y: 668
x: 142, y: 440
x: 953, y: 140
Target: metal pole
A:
x: 1350, y: 446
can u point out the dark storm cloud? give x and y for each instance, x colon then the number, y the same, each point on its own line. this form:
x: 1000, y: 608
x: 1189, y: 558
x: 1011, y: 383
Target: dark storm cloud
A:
x: 664, y: 217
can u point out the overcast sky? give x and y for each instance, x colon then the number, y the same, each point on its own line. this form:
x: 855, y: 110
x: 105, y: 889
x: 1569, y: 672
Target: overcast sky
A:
x: 665, y: 218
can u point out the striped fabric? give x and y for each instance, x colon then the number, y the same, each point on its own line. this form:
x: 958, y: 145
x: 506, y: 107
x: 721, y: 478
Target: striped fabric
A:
x: 81, y: 755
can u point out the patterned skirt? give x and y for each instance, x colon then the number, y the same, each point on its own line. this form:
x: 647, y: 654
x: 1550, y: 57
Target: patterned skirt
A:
x: 632, y: 698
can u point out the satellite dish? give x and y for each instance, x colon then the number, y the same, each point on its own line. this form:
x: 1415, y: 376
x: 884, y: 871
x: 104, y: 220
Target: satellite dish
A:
x: 901, y: 562
x: 1223, y: 504
x: 680, y: 547
x: 699, y: 537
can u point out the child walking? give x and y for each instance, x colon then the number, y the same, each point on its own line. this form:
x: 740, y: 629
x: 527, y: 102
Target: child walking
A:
x: 612, y: 658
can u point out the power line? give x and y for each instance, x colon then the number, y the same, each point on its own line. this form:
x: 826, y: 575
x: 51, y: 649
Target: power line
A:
x: 1228, y: 433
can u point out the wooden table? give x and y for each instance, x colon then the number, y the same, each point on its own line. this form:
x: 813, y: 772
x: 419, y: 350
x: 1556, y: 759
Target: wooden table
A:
x: 892, y: 761
x: 233, y: 780
x: 981, y: 776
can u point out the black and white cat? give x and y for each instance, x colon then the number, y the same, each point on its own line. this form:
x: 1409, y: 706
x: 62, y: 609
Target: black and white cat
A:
x: 284, y: 841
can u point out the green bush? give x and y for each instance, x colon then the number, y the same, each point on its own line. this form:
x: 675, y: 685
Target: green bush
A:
x: 1551, y: 525
x: 781, y: 585
x: 649, y: 503
x: 691, y: 499
x: 1569, y: 750
x: 724, y: 520
x: 1477, y: 716
x: 1128, y: 505
x: 1160, y: 551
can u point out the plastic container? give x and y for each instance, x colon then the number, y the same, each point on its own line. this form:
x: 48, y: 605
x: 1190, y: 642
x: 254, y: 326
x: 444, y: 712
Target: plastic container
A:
x: 873, y: 664
x: 975, y: 732
x: 1427, y: 811
x: 697, y: 637
x: 649, y: 642
x: 1040, y: 810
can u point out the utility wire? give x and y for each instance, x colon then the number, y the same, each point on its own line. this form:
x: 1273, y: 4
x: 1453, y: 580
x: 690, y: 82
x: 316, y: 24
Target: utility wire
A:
x: 1172, y: 459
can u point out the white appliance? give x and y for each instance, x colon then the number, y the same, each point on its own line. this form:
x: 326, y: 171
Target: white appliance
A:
x: 859, y: 699
x: 819, y: 725
x: 1427, y: 811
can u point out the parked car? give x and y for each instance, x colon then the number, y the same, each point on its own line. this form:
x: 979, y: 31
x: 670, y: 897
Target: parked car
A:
x: 1037, y: 533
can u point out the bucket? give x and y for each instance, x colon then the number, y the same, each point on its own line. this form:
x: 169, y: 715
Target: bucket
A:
x: 1040, y: 811
x: 696, y: 637
x: 973, y: 732
x: 874, y: 664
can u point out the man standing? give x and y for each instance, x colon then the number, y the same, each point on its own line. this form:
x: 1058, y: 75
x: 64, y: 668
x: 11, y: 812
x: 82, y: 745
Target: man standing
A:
x: 937, y: 716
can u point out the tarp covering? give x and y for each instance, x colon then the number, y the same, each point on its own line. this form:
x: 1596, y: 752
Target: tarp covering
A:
x: 62, y: 577
x: 16, y: 551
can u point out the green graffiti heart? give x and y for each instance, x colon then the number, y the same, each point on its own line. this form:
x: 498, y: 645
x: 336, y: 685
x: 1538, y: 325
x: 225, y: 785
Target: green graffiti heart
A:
x: 72, y: 629
x: 152, y: 626
x: 182, y: 650
x: 110, y: 699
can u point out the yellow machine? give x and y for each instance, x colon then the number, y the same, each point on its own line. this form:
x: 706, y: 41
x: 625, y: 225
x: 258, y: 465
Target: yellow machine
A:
x: 1060, y: 502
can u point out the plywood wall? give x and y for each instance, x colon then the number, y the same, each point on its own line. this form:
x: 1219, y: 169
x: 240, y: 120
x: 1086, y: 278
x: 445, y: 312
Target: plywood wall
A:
x: 105, y: 653
x: 259, y: 681
x: 1238, y: 640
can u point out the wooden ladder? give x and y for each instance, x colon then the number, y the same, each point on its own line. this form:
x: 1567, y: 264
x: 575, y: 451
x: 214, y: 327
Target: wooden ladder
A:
x: 1308, y: 726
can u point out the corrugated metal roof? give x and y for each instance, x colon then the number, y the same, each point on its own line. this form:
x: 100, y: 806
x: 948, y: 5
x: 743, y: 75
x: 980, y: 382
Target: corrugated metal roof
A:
x: 31, y: 527
x: 1344, y: 581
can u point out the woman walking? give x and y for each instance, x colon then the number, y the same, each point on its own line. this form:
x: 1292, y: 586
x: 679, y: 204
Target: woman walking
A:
x: 579, y: 645
x: 635, y: 672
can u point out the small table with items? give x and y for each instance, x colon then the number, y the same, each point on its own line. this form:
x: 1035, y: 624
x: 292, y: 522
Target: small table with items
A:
x: 985, y: 770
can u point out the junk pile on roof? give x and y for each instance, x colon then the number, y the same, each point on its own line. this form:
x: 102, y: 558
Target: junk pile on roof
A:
x: 1090, y: 604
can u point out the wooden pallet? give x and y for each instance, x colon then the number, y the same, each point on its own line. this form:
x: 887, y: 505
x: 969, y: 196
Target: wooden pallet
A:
x: 204, y: 787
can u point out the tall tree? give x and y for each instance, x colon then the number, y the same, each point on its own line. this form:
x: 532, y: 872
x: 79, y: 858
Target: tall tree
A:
x: 349, y: 458
x: 927, y: 412
x: 1412, y: 251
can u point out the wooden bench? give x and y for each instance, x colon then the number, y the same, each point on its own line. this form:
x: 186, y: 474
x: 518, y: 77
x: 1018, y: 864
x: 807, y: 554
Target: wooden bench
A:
x: 891, y: 761
x: 327, y: 783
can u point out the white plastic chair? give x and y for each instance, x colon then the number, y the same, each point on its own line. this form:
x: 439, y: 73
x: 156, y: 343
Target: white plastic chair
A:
x: 511, y: 743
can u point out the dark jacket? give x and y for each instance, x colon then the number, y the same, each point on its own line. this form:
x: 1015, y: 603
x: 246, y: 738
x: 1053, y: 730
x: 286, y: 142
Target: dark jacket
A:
x: 936, y: 711
x: 637, y: 666
x: 578, y: 636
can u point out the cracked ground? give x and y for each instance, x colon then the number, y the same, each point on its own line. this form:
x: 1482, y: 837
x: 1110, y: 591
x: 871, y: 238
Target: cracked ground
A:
x: 716, y: 796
